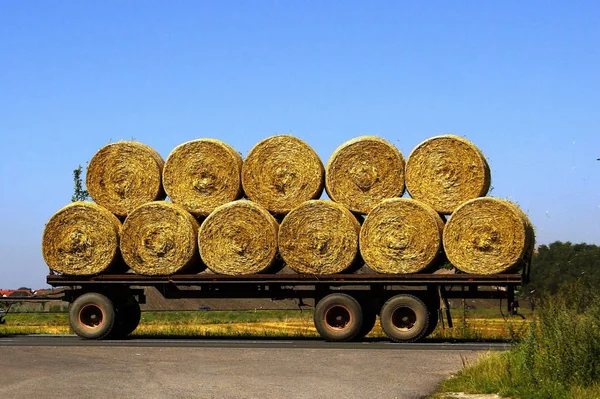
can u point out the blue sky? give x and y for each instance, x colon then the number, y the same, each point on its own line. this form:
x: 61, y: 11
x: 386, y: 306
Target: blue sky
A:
x: 519, y: 79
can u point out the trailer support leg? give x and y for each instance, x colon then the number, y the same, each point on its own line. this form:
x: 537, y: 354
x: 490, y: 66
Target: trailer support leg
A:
x: 444, y: 306
x: 513, y: 305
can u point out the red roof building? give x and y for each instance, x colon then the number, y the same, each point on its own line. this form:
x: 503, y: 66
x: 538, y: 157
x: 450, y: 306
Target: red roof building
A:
x: 15, y: 293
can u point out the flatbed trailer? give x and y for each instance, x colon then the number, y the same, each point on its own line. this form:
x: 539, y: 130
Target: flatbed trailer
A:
x: 346, y: 305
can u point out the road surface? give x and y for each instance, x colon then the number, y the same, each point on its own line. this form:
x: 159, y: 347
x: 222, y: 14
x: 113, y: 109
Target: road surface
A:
x: 68, y: 367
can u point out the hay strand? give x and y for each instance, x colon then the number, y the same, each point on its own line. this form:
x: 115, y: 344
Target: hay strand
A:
x: 319, y: 237
x: 445, y: 171
x: 81, y: 239
x: 488, y: 236
x: 159, y: 239
x: 124, y: 175
x: 238, y: 238
x: 401, y: 235
x: 364, y: 171
x: 203, y: 174
x: 281, y: 172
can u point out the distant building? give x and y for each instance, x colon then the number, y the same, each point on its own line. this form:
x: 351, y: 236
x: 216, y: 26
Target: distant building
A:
x: 15, y: 293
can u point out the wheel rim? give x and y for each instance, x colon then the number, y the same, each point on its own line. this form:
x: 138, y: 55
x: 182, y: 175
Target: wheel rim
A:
x: 338, y: 318
x: 404, y: 318
x: 91, y: 316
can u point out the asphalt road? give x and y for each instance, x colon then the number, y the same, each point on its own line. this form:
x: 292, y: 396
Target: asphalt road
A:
x: 67, y: 367
x: 73, y: 340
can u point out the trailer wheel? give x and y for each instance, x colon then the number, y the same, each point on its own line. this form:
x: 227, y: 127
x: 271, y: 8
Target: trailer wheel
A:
x: 404, y: 318
x: 338, y: 317
x: 369, y: 319
x: 128, y: 316
x: 433, y: 322
x: 92, y: 316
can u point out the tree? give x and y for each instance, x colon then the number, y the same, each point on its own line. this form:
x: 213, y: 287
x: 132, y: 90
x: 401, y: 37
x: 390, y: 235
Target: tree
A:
x: 80, y: 193
x: 561, y: 263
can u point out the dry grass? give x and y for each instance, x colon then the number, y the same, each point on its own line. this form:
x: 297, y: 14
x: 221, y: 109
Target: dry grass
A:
x: 363, y: 171
x: 238, y: 238
x: 255, y: 324
x: 81, y: 239
x: 401, y: 235
x: 160, y: 238
x: 319, y: 237
x: 203, y: 174
x: 281, y: 172
x: 124, y: 175
x: 445, y: 171
x: 487, y: 236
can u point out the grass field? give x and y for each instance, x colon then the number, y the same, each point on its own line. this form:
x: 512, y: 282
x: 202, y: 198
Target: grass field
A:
x: 475, y: 325
x: 557, y: 358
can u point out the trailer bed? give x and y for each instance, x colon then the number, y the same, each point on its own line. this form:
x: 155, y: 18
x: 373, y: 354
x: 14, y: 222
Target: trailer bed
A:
x: 301, y: 279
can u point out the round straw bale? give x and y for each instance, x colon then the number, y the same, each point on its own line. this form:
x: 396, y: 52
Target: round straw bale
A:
x: 488, y: 236
x: 401, y: 235
x: 81, y: 239
x: 238, y: 238
x: 159, y: 239
x: 281, y: 172
x: 445, y: 171
x: 203, y: 174
x: 124, y: 175
x: 363, y: 171
x: 319, y: 237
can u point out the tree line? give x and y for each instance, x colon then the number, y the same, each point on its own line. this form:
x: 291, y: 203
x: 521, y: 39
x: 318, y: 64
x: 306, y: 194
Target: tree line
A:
x: 561, y: 264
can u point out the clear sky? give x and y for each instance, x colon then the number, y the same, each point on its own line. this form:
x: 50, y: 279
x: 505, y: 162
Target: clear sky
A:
x: 519, y: 79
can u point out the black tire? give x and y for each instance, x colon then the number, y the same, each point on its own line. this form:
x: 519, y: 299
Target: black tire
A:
x: 434, y: 318
x: 404, y: 318
x: 369, y: 319
x: 338, y: 317
x: 92, y: 316
x: 128, y: 316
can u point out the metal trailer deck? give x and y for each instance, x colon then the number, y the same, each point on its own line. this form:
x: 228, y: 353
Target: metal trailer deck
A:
x: 299, y: 286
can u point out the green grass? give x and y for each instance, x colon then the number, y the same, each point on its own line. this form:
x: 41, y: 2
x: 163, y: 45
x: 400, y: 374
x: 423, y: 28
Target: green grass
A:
x: 223, y: 317
x: 269, y: 323
x: 559, y: 356
x: 36, y: 319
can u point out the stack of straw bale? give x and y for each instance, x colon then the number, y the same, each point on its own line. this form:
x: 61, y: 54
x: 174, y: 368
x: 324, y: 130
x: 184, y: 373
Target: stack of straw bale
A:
x: 81, y: 239
x: 203, y: 174
x: 488, y: 236
x: 209, y: 225
x: 445, y: 171
x: 364, y: 171
x: 124, y: 175
x: 319, y: 237
x: 160, y: 238
x: 401, y: 235
x: 281, y: 172
x: 238, y: 238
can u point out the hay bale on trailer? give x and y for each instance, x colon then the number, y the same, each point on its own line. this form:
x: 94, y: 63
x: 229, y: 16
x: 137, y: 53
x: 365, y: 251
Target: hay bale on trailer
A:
x: 238, y: 238
x: 488, y: 236
x: 364, y: 171
x: 281, y: 172
x: 445, y: 171
x: 124, y: 175
x: 203, y: 174
x: 159, y: 239
x: 319, y: 237
x: 81, y: 239
x: 401, y: 235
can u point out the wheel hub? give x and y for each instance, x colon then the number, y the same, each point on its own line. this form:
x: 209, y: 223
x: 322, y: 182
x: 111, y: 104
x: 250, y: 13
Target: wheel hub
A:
x: 338, y: 318
x: 91, y: 316
x: 404, y: 318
